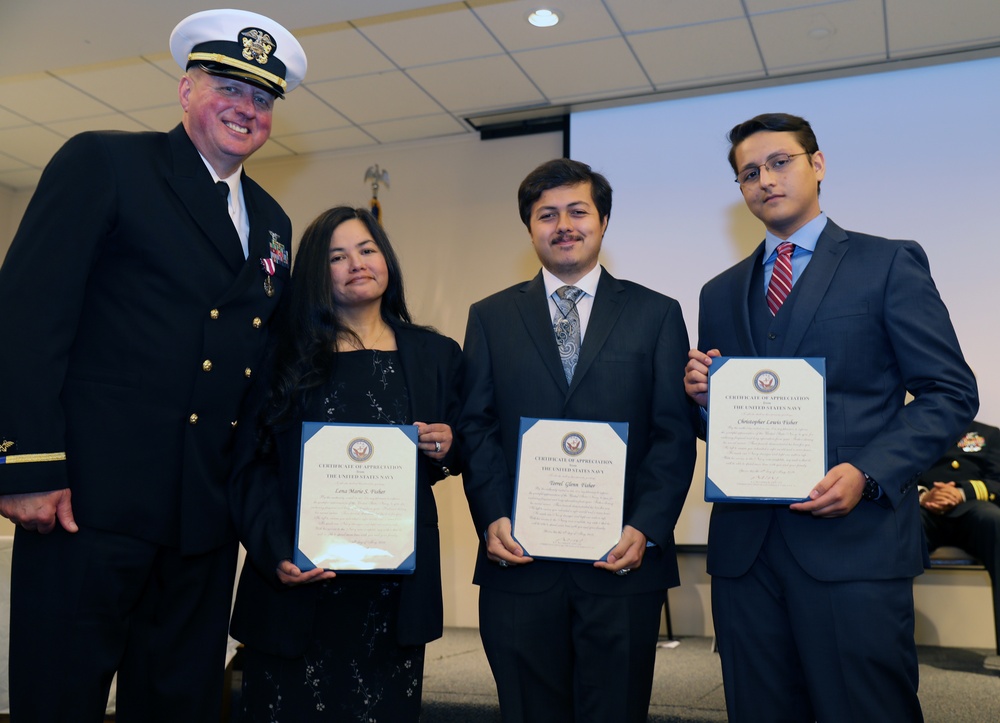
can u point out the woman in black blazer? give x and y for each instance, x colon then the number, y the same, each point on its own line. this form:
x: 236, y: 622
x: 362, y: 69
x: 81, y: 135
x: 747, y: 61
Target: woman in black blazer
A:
x: 322, y: 646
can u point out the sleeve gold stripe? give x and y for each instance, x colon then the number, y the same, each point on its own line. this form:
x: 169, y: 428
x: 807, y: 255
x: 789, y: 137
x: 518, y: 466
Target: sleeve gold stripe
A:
x: 24, y: 458
x: 226, y: 60
x: 982, y: 493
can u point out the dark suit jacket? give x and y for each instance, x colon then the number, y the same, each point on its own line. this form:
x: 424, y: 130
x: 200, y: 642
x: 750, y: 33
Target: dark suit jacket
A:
x: 630, y: 370
x: 279, y: 619
x: 132, y: 325
x: 869, y: 306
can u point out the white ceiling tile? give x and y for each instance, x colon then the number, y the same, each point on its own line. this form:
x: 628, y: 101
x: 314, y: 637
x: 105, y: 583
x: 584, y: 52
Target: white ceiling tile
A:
x: 698, y: 54
x: 755, y: 7
x: 158, y: 119
x: 20, y: 180
x: 9, y: 119
x: 480, y: 84
x: 128, y: 84
x: 43, y: 98
x: 301, y: 112
x: 340, y: 52
x: 584, y: 69
x: 818, y: 37
x: 272, y: 149
x: 932, y: 25
x: 11, y: 164
x: 410, y: 129
x: 108, y: 122
x: 508, y: 21
x: 433, y: 35
x: 635, y: 16
x: 165, y: 62
x: 379, y: 97
x: 34, y: 145
x: 331, y: 140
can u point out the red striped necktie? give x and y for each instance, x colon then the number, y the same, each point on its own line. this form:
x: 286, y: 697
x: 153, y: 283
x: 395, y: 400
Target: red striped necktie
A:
x: 781, y: 277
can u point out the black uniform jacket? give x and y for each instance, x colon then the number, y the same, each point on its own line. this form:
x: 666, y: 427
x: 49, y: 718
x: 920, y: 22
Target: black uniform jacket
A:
x: 972, y: 463
x: 132, y: 326
x: 279, y: 619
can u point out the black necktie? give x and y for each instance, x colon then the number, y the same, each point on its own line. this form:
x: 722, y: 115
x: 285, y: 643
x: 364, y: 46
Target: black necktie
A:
x: 223, y: 188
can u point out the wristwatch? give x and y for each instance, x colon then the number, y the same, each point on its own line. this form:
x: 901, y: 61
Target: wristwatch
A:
x: 872, y: 491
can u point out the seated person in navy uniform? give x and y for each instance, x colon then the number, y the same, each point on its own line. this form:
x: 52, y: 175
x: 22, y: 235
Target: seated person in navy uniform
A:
x: 960, y: 501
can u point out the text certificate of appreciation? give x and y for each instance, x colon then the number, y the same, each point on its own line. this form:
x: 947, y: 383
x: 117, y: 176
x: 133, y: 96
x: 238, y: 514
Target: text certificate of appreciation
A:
x: 766, y: 439
x: 569, y: 496
x: 357, y: 498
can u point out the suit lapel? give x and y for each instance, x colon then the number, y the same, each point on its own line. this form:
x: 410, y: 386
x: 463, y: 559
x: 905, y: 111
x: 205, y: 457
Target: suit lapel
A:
x: 193, y: 185
x: 740, y: 308
x: 534, y: 310
x: 811, y: 288
x: 608, y: 304
x: 411, y: 352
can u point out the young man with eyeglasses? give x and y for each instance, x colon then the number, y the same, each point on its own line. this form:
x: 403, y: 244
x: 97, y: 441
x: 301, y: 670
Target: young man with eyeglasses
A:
x: 813, y: 602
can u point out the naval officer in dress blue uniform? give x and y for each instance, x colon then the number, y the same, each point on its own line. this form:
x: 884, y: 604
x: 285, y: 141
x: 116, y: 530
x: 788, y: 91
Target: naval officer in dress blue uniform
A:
x: 136, y: 297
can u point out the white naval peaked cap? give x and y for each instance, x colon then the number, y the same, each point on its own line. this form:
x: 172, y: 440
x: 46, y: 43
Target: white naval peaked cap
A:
x: 242, y: 45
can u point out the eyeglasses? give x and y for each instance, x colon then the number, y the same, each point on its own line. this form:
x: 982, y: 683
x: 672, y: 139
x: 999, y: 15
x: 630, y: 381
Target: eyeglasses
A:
x: 775, y: 164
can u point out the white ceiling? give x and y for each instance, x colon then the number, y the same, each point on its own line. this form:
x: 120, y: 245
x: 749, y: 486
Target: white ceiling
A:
x: 384, y: 71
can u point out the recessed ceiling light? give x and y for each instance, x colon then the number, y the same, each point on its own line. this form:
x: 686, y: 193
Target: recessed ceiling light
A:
x: 543, y: 18
x: 820, y: 28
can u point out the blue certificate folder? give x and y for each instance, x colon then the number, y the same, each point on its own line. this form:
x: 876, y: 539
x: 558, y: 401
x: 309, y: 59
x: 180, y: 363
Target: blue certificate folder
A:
x: 768, y: 421
x: 569, y: 447
x: 357, y: 502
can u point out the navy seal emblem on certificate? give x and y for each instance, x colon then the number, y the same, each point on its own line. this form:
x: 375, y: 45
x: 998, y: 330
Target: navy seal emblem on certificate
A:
x: 360, y: 449
x: 766, y: 439
x: 357, y: 505
x: 766, y: 381
x: 574, y: 443
x: 570, y: 491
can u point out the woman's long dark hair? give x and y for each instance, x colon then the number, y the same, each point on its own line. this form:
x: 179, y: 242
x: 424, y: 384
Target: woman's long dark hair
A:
x: 310, y: 322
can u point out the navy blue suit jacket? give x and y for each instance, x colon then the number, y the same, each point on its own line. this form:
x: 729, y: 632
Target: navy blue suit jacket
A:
x: 630, y: 369
x: 869, y: 306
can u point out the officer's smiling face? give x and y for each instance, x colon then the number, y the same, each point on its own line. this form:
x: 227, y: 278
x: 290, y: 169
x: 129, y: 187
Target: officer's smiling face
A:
x: 226, y: 119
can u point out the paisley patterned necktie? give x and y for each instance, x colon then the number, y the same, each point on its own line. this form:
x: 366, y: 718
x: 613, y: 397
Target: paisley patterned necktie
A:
x: 566, y: 325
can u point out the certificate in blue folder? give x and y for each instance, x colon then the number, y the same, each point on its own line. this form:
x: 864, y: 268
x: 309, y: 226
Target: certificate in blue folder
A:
x: 766, y: 439
x: 357, y: 503
x: 570, y: 489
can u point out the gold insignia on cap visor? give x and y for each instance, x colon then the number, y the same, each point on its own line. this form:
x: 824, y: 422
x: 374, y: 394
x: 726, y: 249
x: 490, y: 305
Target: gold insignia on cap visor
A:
x: 256, y: 45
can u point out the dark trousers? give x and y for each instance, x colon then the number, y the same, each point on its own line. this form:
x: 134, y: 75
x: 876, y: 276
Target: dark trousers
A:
x: 975, y: 527
x: 88, y: 604
x: 794, y: 648
x: 569, y: 655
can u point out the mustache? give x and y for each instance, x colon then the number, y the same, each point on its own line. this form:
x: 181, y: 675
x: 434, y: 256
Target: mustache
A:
x: 566, y: 237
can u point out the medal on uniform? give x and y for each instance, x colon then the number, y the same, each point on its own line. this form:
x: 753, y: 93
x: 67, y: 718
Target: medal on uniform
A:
x: 267, y: 266
x: 279, y: 254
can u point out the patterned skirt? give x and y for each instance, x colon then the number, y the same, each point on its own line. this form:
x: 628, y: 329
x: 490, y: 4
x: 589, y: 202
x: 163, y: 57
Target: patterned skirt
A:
x: 354, y: 670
